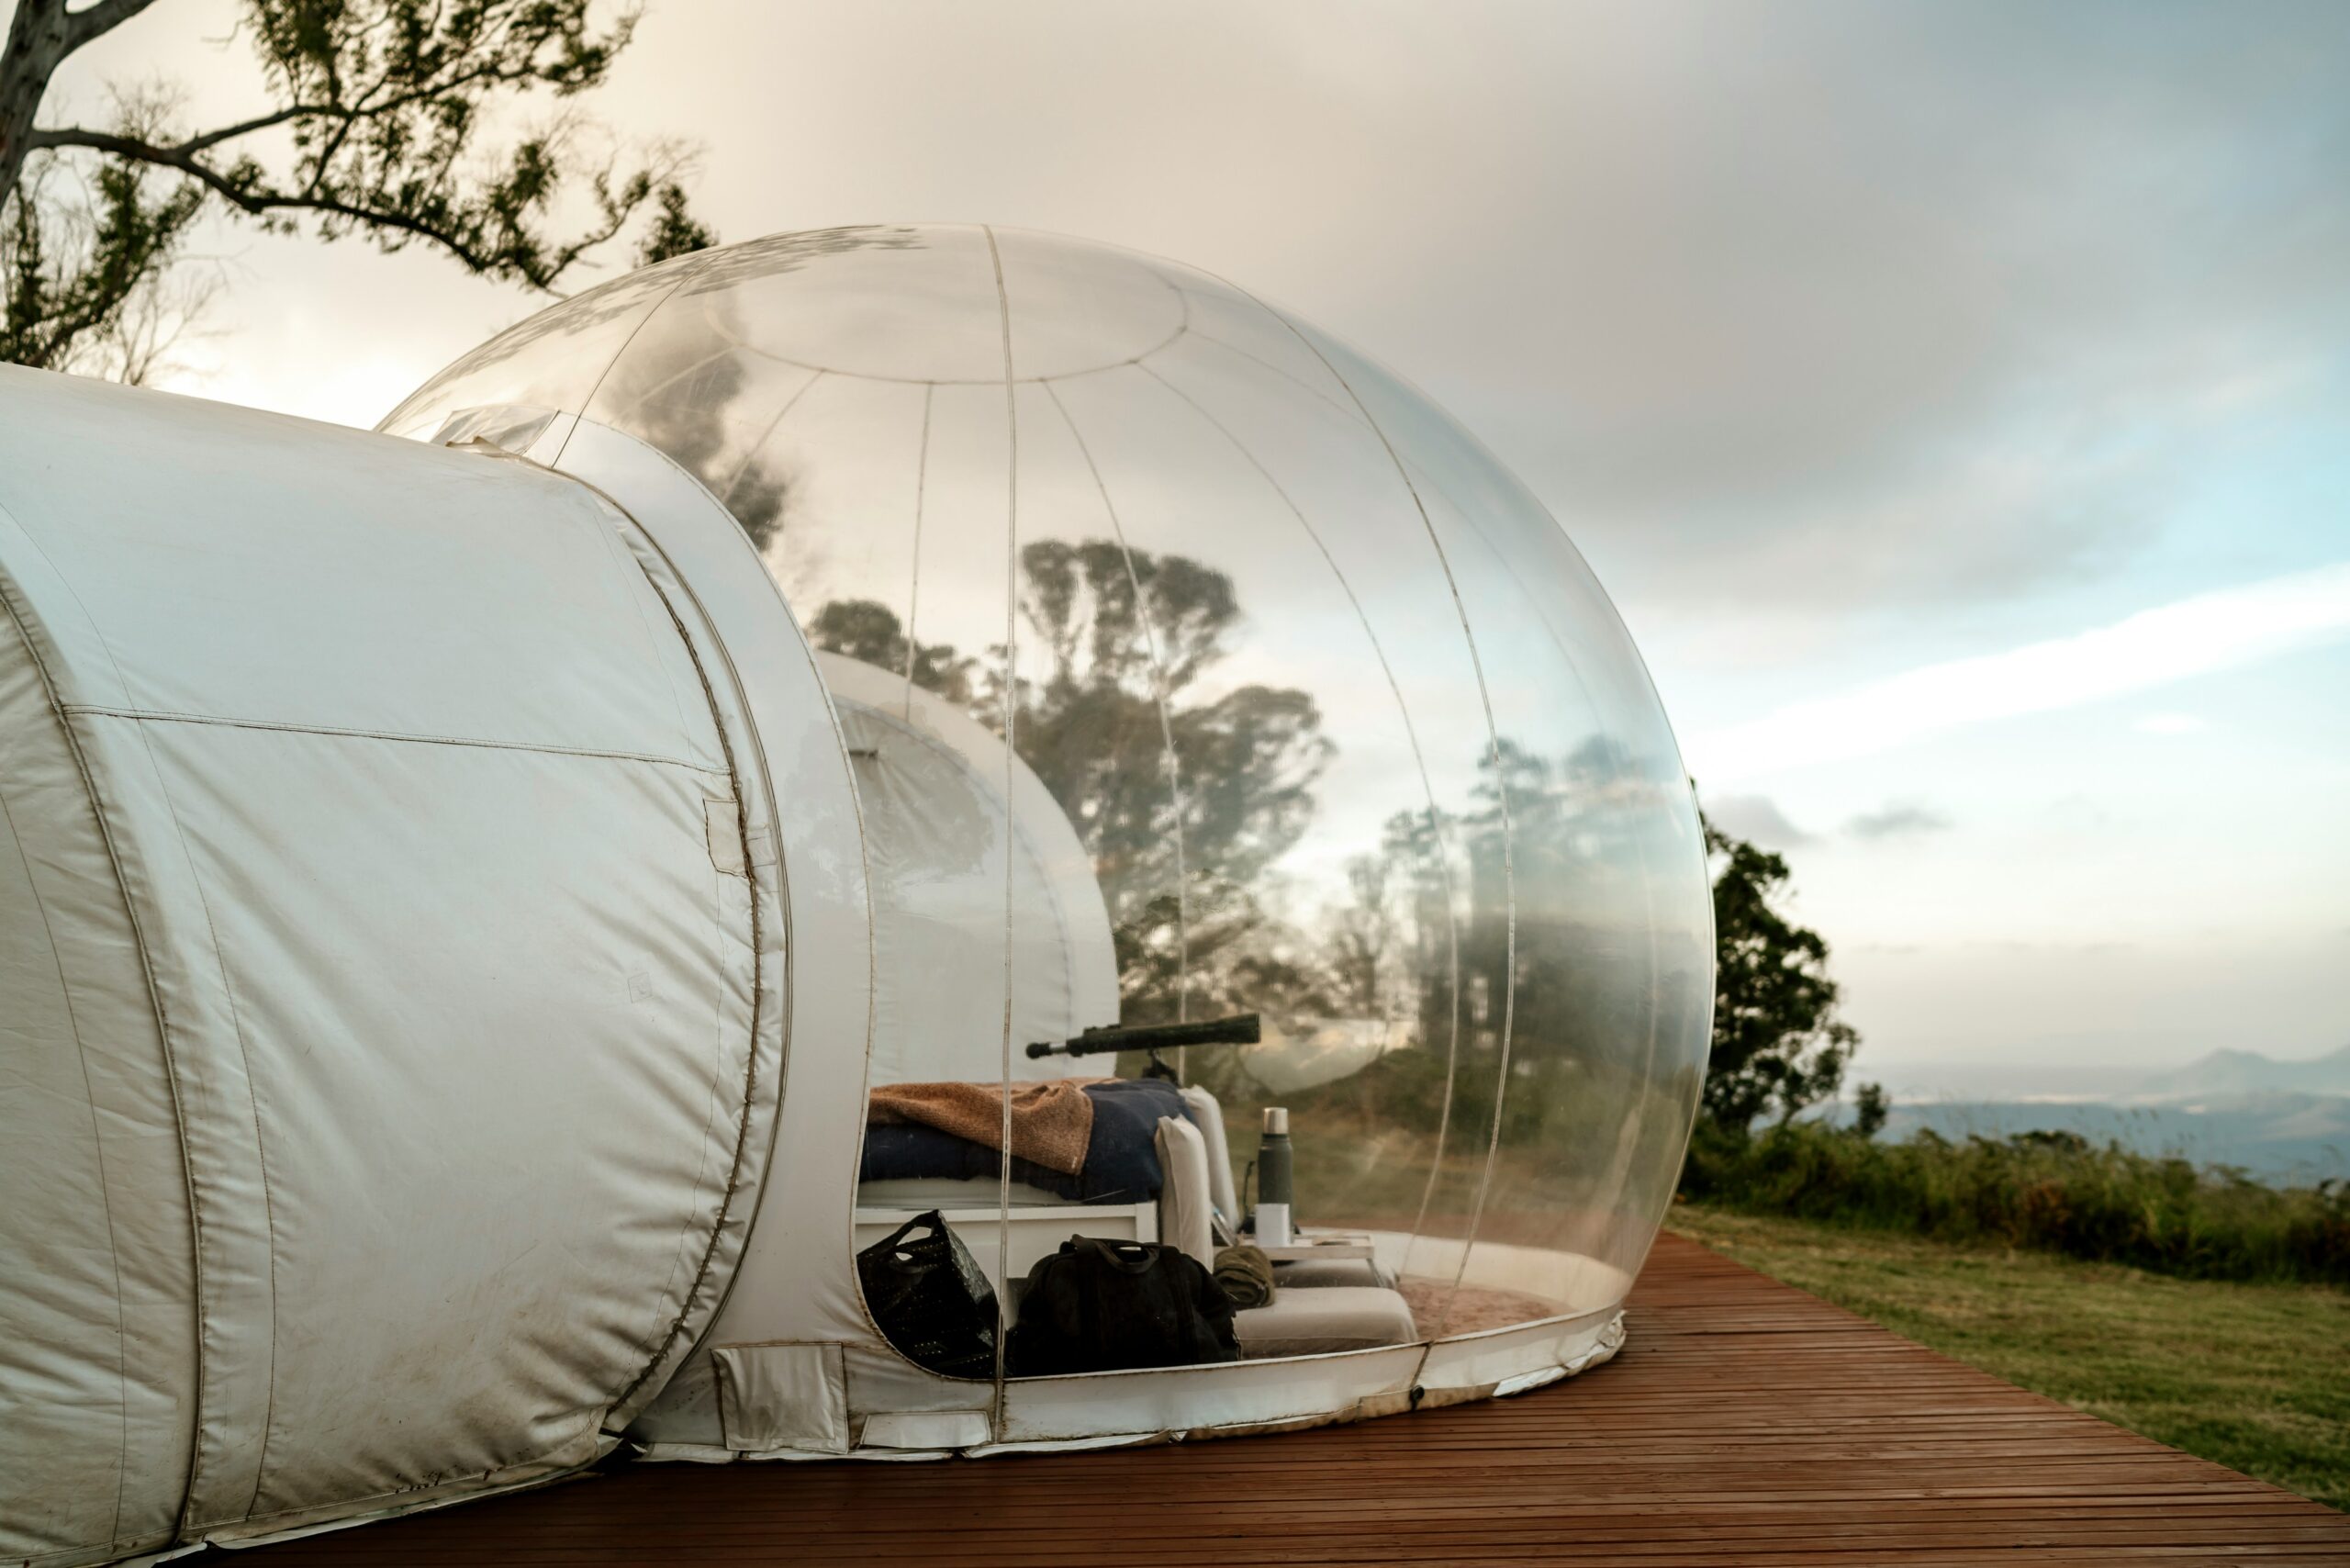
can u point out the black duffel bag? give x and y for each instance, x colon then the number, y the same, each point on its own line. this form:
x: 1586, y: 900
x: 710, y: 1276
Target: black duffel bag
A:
x: 1099, y: 1306
x: 930, y: 1299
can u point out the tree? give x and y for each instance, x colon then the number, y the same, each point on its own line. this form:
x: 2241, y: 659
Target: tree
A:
x: 1115, y: 642
x: 377, y: 112
x: 1870, y: 1109
x: 1778, y: 1045
x: 1126, y: 635
x: 869, y: 631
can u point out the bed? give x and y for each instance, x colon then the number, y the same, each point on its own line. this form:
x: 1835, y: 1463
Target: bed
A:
x: 907, y: 1169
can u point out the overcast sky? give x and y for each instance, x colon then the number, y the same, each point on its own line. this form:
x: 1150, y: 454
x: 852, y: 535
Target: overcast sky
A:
x: 1955, y: 401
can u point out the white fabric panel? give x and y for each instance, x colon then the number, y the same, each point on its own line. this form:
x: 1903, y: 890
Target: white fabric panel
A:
x: 406, y: 767
x: 253, y: 567
x: 1480, y: 1363
x: 783, y: 1396
x: 926, y: 1429
x: 1271, y: 1395
x: 1188, y: 1399
x: 212, y: 1083
x: 1209, y: 1116
x: 742, y: 837
x: 97, y: 1361
x: 881, y: 1381
x: 432, y: 1126
x: 932, y: 783
x: 1183, y: 1190
x: 796, y: 1278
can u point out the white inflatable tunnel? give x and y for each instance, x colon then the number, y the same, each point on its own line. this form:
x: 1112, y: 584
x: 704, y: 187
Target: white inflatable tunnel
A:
x: 393, y: 959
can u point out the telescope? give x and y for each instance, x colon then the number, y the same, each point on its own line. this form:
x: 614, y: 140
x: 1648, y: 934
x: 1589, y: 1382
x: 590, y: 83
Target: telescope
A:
x: 1239, y: 1029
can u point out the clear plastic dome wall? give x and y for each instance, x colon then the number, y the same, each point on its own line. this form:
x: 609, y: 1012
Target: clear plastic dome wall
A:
x: 1348, y: 731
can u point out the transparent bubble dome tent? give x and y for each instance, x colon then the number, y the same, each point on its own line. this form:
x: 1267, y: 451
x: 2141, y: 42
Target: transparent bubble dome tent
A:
x: 1065, y: 639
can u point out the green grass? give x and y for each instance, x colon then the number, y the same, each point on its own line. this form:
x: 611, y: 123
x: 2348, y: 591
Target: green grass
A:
x: 2255, y: 1377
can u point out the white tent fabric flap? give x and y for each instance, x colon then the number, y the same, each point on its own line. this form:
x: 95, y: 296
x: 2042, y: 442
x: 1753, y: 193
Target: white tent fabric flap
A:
x: 365, y: 816
x: 939, y: 824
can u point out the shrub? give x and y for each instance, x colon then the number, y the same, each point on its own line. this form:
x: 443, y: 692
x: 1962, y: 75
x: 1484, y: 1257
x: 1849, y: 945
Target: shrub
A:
x: 2052, y: 1192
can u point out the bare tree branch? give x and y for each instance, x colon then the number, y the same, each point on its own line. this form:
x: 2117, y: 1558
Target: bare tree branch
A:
x: 71, y: 267
x: 164, y: 315
x: 95, y: 21
x: 41, y: 35
x: 383, y: 109
x: 260, y: 200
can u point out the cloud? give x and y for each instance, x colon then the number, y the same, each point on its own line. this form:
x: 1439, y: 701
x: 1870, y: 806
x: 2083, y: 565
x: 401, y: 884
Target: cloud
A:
x: 1818, y: 305
x: 2171, y: 724
x: 2152, y: 648
x: 1756, y: 819
x: 1770, y: 377
x: 1898, y: 820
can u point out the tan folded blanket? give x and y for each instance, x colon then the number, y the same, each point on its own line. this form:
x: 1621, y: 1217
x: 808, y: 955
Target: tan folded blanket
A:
x: 1052, y: 1122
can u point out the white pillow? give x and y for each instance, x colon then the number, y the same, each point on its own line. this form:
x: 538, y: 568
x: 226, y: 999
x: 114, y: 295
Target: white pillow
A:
x: 1222, y: 1188
x: 1183, y: 1190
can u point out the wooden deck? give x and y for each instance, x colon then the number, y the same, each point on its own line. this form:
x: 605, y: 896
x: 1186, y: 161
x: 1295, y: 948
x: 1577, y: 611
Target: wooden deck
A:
x: 1744, y: 1422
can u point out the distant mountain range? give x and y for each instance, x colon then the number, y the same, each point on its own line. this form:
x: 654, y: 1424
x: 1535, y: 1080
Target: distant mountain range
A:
x: 2280, y: 1120
x: 2248, y: 1073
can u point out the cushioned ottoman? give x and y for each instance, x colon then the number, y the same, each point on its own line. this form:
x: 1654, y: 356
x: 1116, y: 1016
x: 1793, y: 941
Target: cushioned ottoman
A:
x: 1327, y: 1317
x: 1316, y: 1274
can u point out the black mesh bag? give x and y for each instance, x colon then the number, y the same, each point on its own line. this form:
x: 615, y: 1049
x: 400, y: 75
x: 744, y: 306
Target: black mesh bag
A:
x: 1097, y: 1306
x: 929, y: 1296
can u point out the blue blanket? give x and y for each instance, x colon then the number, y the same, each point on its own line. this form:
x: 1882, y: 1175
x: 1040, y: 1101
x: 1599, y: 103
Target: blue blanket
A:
x: 1121, y: 1157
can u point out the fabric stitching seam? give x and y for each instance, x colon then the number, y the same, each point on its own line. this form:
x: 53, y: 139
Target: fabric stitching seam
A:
x: 545, y: 749
x: 97, y: 1146
x: 196, y: 1305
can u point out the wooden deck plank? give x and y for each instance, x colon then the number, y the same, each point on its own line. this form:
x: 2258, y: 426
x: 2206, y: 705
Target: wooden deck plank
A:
x: 1744, y: 1422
